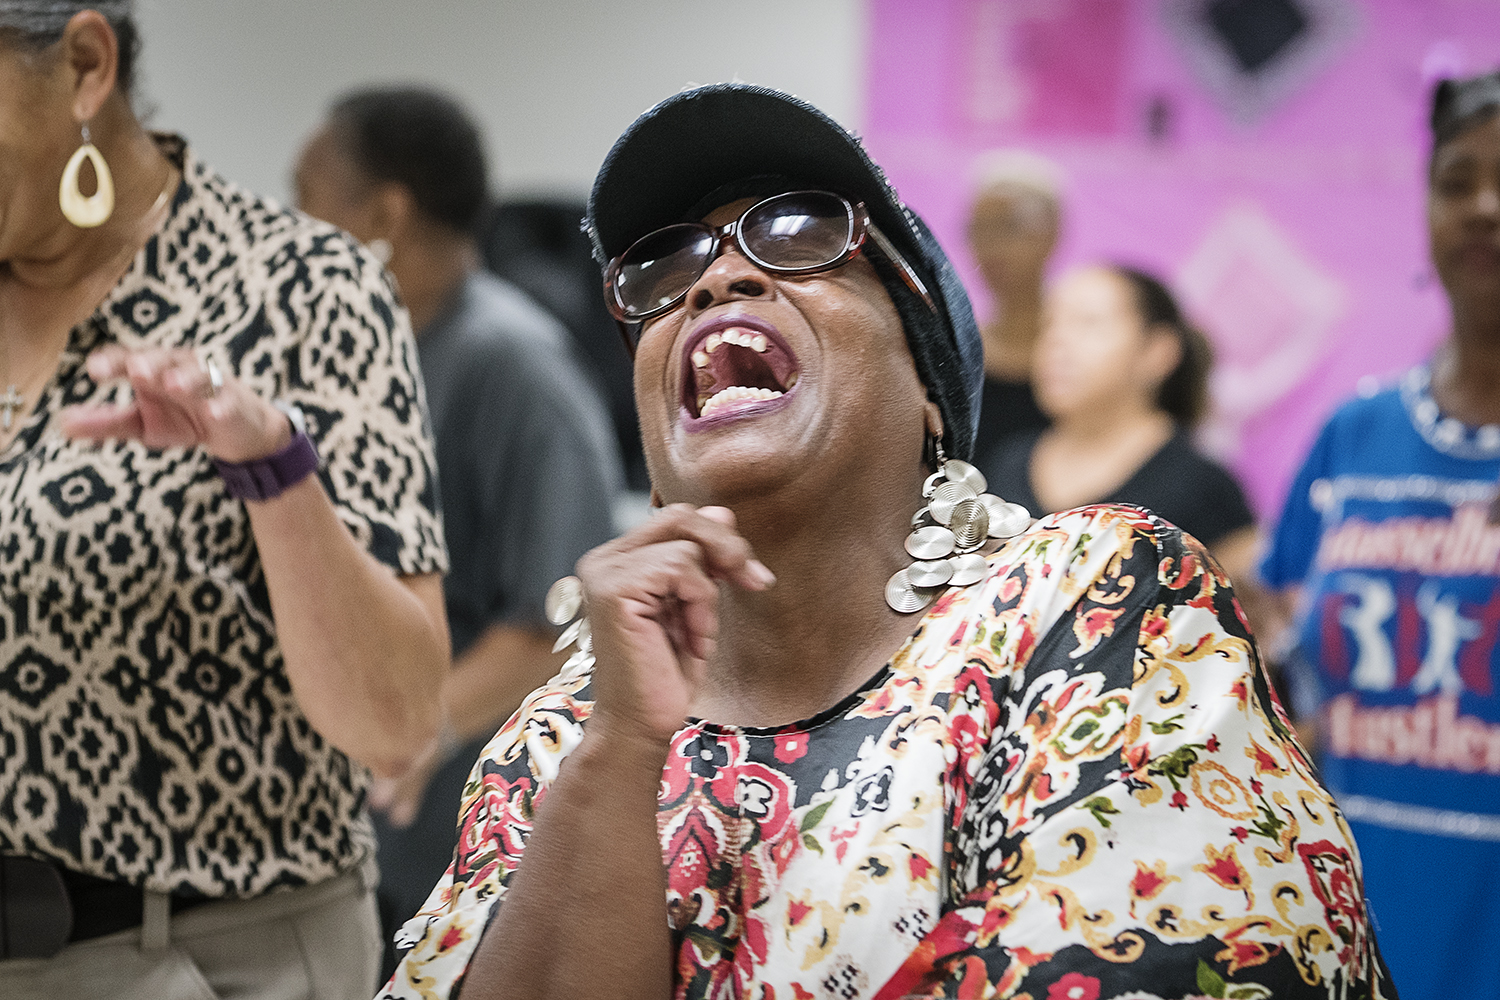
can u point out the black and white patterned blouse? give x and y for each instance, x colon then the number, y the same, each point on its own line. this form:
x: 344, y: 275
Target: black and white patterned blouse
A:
x: 148, y: 731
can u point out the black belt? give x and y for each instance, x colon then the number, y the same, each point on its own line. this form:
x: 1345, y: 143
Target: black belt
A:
x: 44, y: 907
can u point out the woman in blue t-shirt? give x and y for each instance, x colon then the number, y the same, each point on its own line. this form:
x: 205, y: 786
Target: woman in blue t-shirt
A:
x: 1388, y: 544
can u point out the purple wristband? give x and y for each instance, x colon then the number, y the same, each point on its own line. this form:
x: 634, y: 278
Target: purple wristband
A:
x: 271, y: 476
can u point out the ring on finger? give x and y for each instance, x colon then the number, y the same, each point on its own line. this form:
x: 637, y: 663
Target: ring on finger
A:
x: 215, y: 377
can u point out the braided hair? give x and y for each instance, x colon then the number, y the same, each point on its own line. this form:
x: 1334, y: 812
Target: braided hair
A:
x: 34, y: 25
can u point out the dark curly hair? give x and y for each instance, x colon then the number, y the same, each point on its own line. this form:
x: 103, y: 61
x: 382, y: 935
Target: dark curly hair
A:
x: 36, y: 24
x: 419, y: 138
x: 1183, y: 394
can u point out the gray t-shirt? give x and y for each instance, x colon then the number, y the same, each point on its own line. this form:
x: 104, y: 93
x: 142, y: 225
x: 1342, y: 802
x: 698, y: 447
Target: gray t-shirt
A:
x: 527, y: 460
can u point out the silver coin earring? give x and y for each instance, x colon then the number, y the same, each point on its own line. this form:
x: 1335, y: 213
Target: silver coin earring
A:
x: 563, y: 602
x: 956, y: 521
x: 86, y: 211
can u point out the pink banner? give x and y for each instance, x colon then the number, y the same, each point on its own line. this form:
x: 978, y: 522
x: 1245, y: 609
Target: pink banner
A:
x: 1275, y: 176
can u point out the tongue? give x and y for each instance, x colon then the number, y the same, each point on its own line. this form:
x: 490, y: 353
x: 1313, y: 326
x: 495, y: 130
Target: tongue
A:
x: 732, y: 365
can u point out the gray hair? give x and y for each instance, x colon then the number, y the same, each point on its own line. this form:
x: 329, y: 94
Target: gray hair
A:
x: 37, y: 24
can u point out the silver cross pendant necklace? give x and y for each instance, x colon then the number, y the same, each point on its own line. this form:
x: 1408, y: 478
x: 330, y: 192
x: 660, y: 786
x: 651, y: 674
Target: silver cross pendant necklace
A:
x: 12, y: 400
x: 9, y: 404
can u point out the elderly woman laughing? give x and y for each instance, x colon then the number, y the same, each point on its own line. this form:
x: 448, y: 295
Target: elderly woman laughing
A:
x: 841, y: 723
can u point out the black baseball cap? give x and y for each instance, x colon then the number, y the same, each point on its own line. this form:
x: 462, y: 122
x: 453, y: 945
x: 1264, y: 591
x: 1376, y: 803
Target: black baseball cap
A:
x: 708, y: 138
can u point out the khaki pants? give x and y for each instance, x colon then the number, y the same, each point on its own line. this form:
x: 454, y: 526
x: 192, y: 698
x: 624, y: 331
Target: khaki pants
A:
x: 320, y: 942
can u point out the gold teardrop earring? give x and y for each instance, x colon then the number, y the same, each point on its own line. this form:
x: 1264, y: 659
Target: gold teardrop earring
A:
x: 89, y: 211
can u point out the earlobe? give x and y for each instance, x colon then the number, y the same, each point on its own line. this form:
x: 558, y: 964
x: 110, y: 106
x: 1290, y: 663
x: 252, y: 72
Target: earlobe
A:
x: 932, y: 441
x: 934, y: 418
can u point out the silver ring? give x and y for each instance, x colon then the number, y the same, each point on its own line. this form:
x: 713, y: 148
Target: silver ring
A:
x: 215, y: 377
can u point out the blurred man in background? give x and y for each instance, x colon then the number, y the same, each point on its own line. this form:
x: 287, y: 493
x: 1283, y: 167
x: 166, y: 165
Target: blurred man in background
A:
x: 526, y: 455
x: 535, y: 243
x: 1013, y: 228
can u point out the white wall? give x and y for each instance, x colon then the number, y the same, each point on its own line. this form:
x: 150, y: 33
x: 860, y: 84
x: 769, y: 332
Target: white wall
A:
x: 553, y: 82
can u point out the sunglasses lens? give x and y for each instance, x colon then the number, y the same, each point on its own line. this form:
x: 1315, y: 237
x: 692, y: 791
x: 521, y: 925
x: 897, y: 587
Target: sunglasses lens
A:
x: 802, y: 230
x: 660, y: 267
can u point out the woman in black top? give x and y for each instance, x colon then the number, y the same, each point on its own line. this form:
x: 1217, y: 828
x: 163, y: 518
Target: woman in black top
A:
x: 1124, y: 379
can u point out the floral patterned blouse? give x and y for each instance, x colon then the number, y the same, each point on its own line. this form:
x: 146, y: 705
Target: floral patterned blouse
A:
x: 1071, y: 783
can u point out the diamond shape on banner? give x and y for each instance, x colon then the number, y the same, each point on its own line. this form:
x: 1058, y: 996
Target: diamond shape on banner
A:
x: 1252, y: 55
x: 1267, y: 308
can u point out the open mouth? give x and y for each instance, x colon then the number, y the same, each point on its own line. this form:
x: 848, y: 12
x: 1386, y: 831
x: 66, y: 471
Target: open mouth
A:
x: 735, y: 364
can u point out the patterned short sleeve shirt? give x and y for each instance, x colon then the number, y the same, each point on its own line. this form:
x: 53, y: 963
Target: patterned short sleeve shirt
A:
x: 148, y: 731
x: 1072, y: 782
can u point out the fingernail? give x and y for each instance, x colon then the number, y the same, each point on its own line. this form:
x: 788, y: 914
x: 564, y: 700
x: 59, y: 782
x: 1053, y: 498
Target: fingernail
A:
x: 721, y: 514
x: 761, y: 573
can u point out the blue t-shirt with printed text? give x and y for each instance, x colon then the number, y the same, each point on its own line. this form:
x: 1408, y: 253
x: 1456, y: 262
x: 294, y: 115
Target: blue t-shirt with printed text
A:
x: 1386, y: 531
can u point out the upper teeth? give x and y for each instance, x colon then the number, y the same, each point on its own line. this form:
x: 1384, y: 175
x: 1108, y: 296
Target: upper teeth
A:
x: 757, y: 342
x: 733, y: 394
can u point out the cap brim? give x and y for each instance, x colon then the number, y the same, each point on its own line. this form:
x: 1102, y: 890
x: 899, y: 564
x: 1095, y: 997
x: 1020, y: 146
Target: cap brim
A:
x: 700, y: 140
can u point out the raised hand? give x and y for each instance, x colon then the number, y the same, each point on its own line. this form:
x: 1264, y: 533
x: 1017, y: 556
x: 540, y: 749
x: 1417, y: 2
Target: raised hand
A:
x: 176, y: 403
x: 652, y: 598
